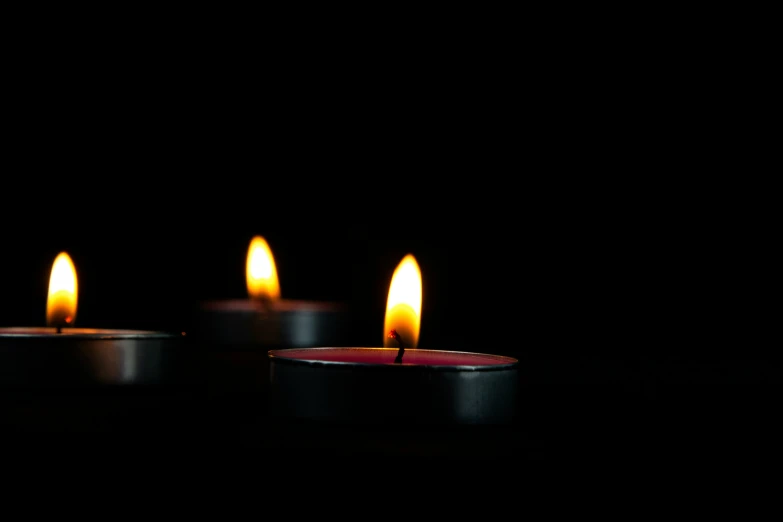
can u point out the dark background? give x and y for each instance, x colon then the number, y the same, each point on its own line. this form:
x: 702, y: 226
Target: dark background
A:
x: 632, y: 342
x: 557, y: 217
x: 542, y: 269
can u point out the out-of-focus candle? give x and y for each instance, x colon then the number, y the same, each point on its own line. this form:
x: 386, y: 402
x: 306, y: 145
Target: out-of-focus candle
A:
x: 235, y: 334
x: 402, y: 384
x: 60, y: 355
x: 264, y: 319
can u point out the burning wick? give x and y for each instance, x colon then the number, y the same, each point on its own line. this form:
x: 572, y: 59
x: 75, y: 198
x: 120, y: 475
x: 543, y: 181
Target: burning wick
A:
x: 60, y: 327
x: 263, y: 303
x: 394, y: 335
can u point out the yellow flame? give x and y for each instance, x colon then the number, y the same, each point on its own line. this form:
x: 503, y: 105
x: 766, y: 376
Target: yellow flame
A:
x: 261, y: 271
x: 63, y: 293
x: 403, y: 308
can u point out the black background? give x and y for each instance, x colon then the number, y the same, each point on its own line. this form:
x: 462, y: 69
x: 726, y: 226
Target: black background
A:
x: 557, y: 217
x: 515, y: 268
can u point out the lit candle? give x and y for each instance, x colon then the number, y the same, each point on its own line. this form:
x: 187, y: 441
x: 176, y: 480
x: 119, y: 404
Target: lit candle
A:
x: 264, y: 319
x: 60, y: 354
x: 399, y: 382
x: 235, y: 334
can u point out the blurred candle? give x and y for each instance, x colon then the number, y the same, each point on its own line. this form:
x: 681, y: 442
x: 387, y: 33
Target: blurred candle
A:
x: 235, y: 334
x: 264, y: 319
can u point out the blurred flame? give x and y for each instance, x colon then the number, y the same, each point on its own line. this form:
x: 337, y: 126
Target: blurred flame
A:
x: 261, y: 271
x: 63, y: 293
x: 403, y: 308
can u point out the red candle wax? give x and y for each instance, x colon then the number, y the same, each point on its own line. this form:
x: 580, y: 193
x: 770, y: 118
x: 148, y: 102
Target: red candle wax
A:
x: 414, y: 356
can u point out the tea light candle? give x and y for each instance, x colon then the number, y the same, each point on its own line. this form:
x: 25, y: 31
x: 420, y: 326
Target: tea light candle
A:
x: 234, y: 335
x: 402, y: 384
x: 264, y: 319
x: 60, y: 355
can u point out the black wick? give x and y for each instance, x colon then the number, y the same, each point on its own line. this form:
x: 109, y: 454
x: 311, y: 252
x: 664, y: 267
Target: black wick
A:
x: 393, y: 334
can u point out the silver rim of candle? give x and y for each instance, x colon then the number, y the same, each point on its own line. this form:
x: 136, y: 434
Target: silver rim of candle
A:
x: 505, y: 362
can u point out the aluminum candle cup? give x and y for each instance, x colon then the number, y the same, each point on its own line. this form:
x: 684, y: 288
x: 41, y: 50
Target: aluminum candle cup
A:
x: 235, y: 335
x: 366, y: 386
x: 276, y: 324
x: 85, y: 357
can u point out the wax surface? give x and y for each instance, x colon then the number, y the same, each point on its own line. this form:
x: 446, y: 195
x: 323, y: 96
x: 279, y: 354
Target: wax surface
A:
x: 281, y: 306
x: 413, y: 356
x: 42, y: 331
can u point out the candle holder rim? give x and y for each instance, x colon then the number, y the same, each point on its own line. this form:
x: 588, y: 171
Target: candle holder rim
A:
x: 510, y: 362
x: 282, y: 305
x: 85, y: 333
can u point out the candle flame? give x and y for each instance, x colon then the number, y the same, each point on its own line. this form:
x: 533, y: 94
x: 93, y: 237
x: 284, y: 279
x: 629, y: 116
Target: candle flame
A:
x: 403, y: 307
x: 63, y: 293
x: 261, y: 271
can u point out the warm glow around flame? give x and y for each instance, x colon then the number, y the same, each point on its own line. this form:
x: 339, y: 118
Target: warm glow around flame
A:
x: 261, y: 271
x: 63, y: 293
x: 403, y: 308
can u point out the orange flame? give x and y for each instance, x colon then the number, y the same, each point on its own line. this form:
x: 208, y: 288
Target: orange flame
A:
x: 63, y: 293
x: 403, y: 307
x: 261, y: 271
